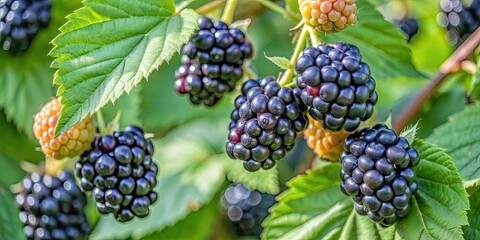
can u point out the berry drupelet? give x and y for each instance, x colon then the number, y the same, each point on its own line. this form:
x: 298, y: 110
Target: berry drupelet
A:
x: 459, y: 19
x: 245, y: 210
x: 327, y: 16
x: 52, y: 207
x: 120, y: 173
x: 409, y: 26
x: 212, y: 62
x: 377, y: 173
x: 336, y: 85
x: 20, y: 22
x: 264, y: 123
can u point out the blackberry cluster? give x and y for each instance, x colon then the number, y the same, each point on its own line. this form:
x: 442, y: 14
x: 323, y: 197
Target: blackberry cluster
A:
x: 52, y: 207
x: 409, y: 26
x: 377, y: 173
x: 246, y: 209
x: 459, y: 19
x: 327, y: 16
x: 212, y: 62
x: 264, y: 123
x: 20, y: 22
x: 336, y: 85
x: 120, y: 171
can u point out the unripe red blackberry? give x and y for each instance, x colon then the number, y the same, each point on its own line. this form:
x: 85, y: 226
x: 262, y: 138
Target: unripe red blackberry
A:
x: 120, y: 171
x: 459, y: 19
x: 72, y: 143
x: 20, y: 22
x: 212, y: 62
x: 52, y: 207
x: 327, y: 145
x: 336, y: 85
x: 264, y: 123
x: 377, y: 173
x: 327, y: 16
x: 245, y: 210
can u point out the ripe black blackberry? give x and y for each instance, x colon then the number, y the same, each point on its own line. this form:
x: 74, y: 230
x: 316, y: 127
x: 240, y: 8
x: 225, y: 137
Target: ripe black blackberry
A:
x: 459, y: 19
x: 212, y: 62
x: 377, y: 173
x: 52, y: 207
x: 264, y: 123
x: 20, y: 22
x: 336, y: 85
x: 120, y: 171
x: 409, y: 26
x: 245, y: 210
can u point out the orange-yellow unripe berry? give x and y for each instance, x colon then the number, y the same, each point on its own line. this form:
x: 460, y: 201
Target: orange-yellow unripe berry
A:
x: 327, y: 16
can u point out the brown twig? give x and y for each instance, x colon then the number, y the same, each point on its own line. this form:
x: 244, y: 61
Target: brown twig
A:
x: 452, y: 64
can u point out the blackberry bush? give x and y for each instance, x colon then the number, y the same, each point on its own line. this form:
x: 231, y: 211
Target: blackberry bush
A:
x: 212, y: 62
x: 327, y: 145
x: 409, y: 26
x: 377, y: 173
x: 20, y: 22
x: 336, y: 85
x: 52, y: 207
x: 327, y: 16
x: 120, y: 173
x: 459, y: 19
x: 245, y: 210
x: 72, y: 143
x: 264, y: 123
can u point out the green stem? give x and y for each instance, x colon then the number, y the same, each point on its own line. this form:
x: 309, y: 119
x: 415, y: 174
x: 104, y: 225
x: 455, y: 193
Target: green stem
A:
x: 287, y: 76
x: 210, y: 7
x: 229, y: 11
x: 101, y: 122
x: 272, y: 6
x: 250, y: 73
x: 313, y: 37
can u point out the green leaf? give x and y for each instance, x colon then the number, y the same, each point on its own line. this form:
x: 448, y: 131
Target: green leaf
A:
x: 314, y: 208
x: 410, y: 132
x: 95, y: 70
x: 474, y: 89
x: 281, y: 62
x: 381, y: 44
x: 263, y: 181
x: 188, y: 180
x: 292, y: 6
x: 440, y: 206
x: 196, y: 226
x: 10, y: 172
x: 472, y: 231
x: 461, y: 137
x: 11, y: 225
x: 26, y: 78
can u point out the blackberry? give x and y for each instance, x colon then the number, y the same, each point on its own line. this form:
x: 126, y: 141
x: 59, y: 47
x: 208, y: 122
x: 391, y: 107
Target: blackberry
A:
x: 245, y: 210
x: 20, y: 22
x: 327, y: 145
x: 377, y: 173
x: 327, y: 16
x: 52, y: 207
x: 72, y: 143
x: 264, y: 123
x: 120, y: 173
x: 212, y: 62
x: 409, y: 26
x: 336, y: 85
x: 459, y: 19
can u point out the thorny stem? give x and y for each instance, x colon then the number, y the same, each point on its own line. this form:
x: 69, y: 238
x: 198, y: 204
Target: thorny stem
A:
x: 287, y: 76
x: 229, y: 11
x: 452, y: 64
x: 209, y: 7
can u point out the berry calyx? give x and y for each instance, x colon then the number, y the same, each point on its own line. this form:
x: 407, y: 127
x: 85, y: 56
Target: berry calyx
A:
x: 72, y: 143
x: 377, y: 173
x: 264, y: 123
x: 21, y: 21
x: 327, y: 145
x: 327, y: 16
x: 120, y: 172
x: 212, y: 62
x: 336, y: 85
x: 52, y: 207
